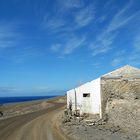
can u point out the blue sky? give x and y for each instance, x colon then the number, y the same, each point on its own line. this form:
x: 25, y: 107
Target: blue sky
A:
x: 48, y: 46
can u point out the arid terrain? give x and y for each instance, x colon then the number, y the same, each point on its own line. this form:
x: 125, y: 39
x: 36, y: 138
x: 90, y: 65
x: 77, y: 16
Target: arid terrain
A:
x: 37, y: 125
x: 44, y: 120
x: 80, y: 131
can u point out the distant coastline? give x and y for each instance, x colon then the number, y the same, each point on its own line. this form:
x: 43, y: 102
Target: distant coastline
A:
x: 5, y: 100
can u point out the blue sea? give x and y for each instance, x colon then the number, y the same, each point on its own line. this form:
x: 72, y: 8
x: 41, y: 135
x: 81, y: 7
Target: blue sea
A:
x: 4, y: 100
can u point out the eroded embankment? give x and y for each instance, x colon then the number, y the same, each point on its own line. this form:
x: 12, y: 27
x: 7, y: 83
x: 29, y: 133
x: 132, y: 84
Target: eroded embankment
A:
x: 121, y: 103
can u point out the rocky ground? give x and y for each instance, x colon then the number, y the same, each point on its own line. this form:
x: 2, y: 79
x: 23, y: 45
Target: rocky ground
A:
x: 86, y: 129
x: 45, y: 119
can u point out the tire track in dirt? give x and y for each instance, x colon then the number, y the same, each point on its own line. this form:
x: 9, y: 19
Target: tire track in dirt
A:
x: 33, y: 126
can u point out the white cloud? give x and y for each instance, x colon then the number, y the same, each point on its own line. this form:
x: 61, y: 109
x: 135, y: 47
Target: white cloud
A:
x: 26, y: 53
x: 121, y: 18
x: 96, y: 65
x: 102, y: 44
x: 73, y: 44
x: 102, y: 18
x: 70, y: 3
x: 64, y: 20
x: 108, y: 4
x: 105, y: 39
x: 117, y: 61
x: 8, y: 89
x: 69, y: 46
x: 56, y: 20
x: 42, y: 88
x: 8, y: 35
x: 53, y: 22
x: 137, y: 43
x: 56, y: 47
x: 134, y: 57
x: 119, y: 58
x: 85, y: 16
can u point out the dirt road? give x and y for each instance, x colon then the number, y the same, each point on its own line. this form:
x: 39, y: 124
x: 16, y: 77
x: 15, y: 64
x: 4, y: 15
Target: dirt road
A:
x: 33, y: 126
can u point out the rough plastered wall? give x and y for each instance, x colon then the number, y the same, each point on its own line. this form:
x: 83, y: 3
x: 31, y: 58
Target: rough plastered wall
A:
x: 89, y: 104
x: 121, y: 102
x: 71, y: 98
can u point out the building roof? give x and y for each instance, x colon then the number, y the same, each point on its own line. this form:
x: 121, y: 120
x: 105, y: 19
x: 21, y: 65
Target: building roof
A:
x: 125, y: 71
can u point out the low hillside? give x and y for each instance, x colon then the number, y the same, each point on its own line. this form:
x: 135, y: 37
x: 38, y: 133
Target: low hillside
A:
x: 121, y: 102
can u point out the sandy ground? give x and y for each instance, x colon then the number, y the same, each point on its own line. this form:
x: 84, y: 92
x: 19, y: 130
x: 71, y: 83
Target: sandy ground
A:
x: 42, y: 120
x: 39, y: 125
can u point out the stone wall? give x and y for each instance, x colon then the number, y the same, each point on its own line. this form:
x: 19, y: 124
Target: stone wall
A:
x: 121, y: 102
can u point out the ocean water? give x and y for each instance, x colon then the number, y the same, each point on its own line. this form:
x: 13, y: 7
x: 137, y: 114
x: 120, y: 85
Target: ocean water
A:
x: 4, y: 100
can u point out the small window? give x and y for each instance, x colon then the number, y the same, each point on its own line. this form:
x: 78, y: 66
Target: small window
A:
x: 86, y: 94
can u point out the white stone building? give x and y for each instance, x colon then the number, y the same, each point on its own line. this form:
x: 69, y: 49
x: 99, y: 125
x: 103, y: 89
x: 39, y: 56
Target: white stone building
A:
x: 88, y: 98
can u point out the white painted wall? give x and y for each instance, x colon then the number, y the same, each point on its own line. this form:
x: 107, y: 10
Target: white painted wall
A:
x: 71, y: 98
x: 90, y: 104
